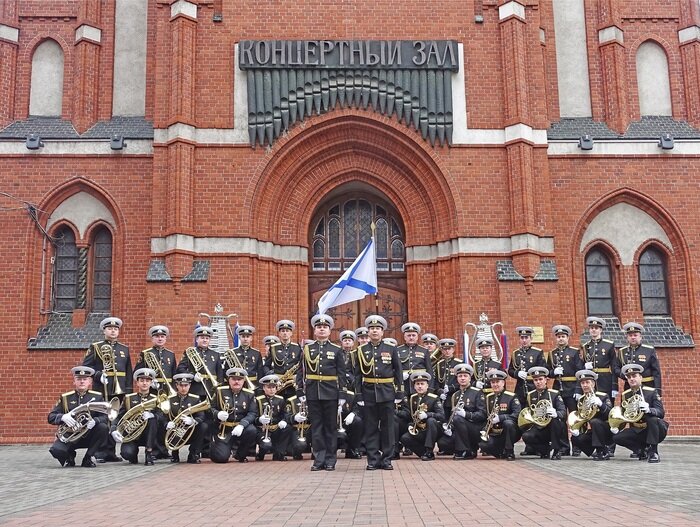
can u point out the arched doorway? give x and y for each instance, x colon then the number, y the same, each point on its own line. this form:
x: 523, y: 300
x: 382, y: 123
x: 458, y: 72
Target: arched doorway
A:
x: 339, y: 230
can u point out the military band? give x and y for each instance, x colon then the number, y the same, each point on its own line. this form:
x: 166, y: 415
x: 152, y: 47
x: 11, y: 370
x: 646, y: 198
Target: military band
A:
x: 352, y: 397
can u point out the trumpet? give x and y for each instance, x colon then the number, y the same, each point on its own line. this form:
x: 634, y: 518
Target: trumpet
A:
x: 535, y: 414
x: 585, y: 411
x: 200, y: 367
x: 177, y: 437
x: 302, y: 411
x: 132, y: 424
x: 484, y: 434
x: 417, y: 424
x: 109, y: 366
x: 342, y: 434
x: 458, y: 406
x: 66, y: 434
x: 627, y: 413
x: 154, y: 363
x: 222, y: 426
x: 232, y: 359
x: 267, y: 412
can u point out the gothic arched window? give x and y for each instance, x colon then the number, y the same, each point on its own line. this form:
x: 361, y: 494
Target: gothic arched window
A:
x: 65, y: 270
x: 652, y: 282
x: 599, y: 290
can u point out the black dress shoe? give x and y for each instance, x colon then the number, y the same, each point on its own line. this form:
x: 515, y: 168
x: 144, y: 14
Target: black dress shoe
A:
x: 88, y: 462
x: 397, y: 455
x: 316, y: 468
x: 427, y: 456
x: 510, y: 456
x: 193, y: 459
x: 387, y: 466
x: 330, y: 468
x: 352, y: 454
x: 278, y: 457
x: 635, y: 454
x: 575, y: 452
x: 642, y: 454
x: 70, y: 462
x: 528, y: 452
x: 556, y: 456
x: 150, y: 459
x: 259, y: 457
x: 460, y: 456
x: 111, y: 458
x: 372, y: 467
x: 654, y: 457
x: 600, y: 455
x: 298, y: 457
x: 544, y: 456
x: 133, y: 461
x: 175, y: 458
x: 241, y: 459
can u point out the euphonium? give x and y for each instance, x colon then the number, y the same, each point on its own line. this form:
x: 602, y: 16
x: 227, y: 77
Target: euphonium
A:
x: 231, y: 358
x: 585, y: 411
x: 627, y: 412
x: 417, y: 424
x: 200, y: 367
x: 535, y: 414
x: 132, y: 424
x: 177, y: 437
x: 267, y: 412
x: 109, y: 366
x: 66, y: 434
x: 484, y: 434
x: 154, y: 363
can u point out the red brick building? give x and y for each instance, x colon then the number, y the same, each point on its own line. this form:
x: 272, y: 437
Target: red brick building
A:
x: 534, y: 160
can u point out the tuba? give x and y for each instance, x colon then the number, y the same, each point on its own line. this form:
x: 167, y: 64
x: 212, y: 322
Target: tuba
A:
x: 585, y: 411
x: 200, y: 367
x: 66, y: 434
x: 177, y: 437
x: 232, y: 359
x: 154, y: 363
x: 132, y: 424
x: 627, y: 413
x: 109, y: 366
x: 417, y: 424
x: 535, y: 414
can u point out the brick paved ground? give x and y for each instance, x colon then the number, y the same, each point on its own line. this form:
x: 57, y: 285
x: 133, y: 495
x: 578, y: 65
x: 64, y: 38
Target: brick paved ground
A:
x: 36, y: 491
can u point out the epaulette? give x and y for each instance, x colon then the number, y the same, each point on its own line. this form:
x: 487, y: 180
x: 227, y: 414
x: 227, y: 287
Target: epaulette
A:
x: 432, y: 396
x: 648, y: 388
x: 349, y: 392
x: 607, y: 340
x: 248, y: 391
x: 646, y: 346
x: 335, y: 345
x: 221, y: 388
x: 624, y: 348
x: 278, y: 397
x: 260, y: 397
x: 508, y: 393
x: 474, y: 388
x: 67, y: 393
x: 600, y: 394
x: 193, y: 396
x: 531, y: 391
x: 95, y: 392
x: 555, y: 392
x: 535, y: 349
x: 627, y: 391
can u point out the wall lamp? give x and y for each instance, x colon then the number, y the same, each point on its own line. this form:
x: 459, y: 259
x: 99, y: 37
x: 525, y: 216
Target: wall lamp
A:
x: 666, y: 141
x: 33, y: 142
x: 585, y: 142
x: 117, y: 142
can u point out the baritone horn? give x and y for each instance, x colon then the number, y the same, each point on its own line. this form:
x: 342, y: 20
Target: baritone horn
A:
x: 67, y: 434
x: 154, y: 363
x: 132, y: 424
x: 179, y: 435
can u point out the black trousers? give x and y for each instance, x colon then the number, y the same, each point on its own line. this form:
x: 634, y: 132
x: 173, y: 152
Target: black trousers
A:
x: 637, y: 438
x: 465, y: 436
x: 94, y: 440
x: 355, y: 433
x: 323, y: 415
x: 425, y: 440
x: 544, y: 439
x: 279, y: 441
x: 498, y: 444
x: 400, y: 426
x: 130, y: 450
x: 200, y: 434
x: 380, y: 432
x: 220, y: 449
x: 596, y: 436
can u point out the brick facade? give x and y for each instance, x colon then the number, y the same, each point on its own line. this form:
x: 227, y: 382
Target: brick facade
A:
x: 499, y: 189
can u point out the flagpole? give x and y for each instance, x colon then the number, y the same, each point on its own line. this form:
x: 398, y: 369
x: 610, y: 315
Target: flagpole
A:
x: 376, y: 295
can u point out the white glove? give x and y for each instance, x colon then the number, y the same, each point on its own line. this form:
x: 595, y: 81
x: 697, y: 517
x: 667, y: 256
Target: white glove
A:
x: 396, y: 401
x: 558, y: 370
x: 188, y: 420
x: 614, y: 394
x: 68, y: 419
x: 170, y: 425
x: 282, y: 425
x: 341, y: 402
x: 589, y: 365
x: 422, y: 416
x: 155, y: 384
x: 197, y: 377
x: 222, y: 416
x: 575, y: 432
x: 405, y: 376
x: 522, y: 374
x: 448, y: 432
x: 264, y: 420
x: 614, y: 430
x: 237, y: 430
x: 479, y: 385
x: 103, y: 378
x: 552, y: 412
x: 598, y: 401
x: 443, y: 396
x: 496, y: 419
x: 644, y: 407
x: 90, y: 424
x: 360, y: 403
x: 117, y: 436
x: 577, y: 396
x: 300, y: 418
x: 302, y: 399
x: 148, y: 415
x: 461, y: 412
x: 350, y: 418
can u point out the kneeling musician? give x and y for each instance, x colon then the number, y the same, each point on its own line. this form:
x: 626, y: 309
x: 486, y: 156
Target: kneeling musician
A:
x: 590, y: 432
x: 274, y: 432
x: 542, y: 421
x: 427, y: 413
x: 301, y: 440
x: 501, y: 431
x: 463, y: 428
x: 187, y: 423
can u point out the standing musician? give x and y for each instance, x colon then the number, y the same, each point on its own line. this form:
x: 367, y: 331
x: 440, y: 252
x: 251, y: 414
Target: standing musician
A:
x: 97, y: 428
x: 211, y: 375
x: 598, y: 354
x: 430, y: 342
x: 486, y: 363
x: 321, y: 380
x: 563, y: 363
x: 427, y: 416
x: 524, y: 358
x: 181, y: 402
x: 113, y: 372
x: 362, y: 334
x: 647, y: 430
x: 501, y: 431
x: 445, y: 381
x: 543, y: 432
x: 467, y: 417
x: 348, y: 340
x: 591, y: 435
x: 378, y: 383
x: 284, y: 358
x: 244, y: 356
x: 274, y: 432
x: 143, y: 378
x: 637, y: 353
x: 235, y: 409
x: 413, y: 356
x: 268, y: 341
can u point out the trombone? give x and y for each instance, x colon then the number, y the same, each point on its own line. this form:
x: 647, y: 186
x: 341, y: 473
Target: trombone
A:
x: 200, y: 367
x: 154, y: 363
x: 222, y: 426
x: 232, y: 359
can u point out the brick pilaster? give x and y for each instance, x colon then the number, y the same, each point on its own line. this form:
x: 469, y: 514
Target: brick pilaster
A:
x: 88, y: 42
x: 613, y: 65
x: 9, y: 38
x: 689, y: 41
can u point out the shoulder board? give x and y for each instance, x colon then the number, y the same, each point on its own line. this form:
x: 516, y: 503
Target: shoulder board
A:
x: 474, y: 388
x: 601, y: 394
x: 457, y: 361
x: 221, y: 388
x: 293, y: 344
x: 531, y: 391
x: 94, y: 392
x: 624, y: 348
x: 278, y: 397
x: 627, y: 391
x: 335, y: 345
x: 508, y: 393
x: 147, y: 349
x: 248, y: 391
x: 555, y: 392
x: 647, y: 346
x: 193, y: 396
x: 67, y: 393
x: 533, y: 348
x: 349, y: 392
x: 293, y: 398
x: 648, y: 388
x: 573, y: 349
x: 608, y: 341
x: 432, y: 396
x: 259, y: 397
x: 254, y: 349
